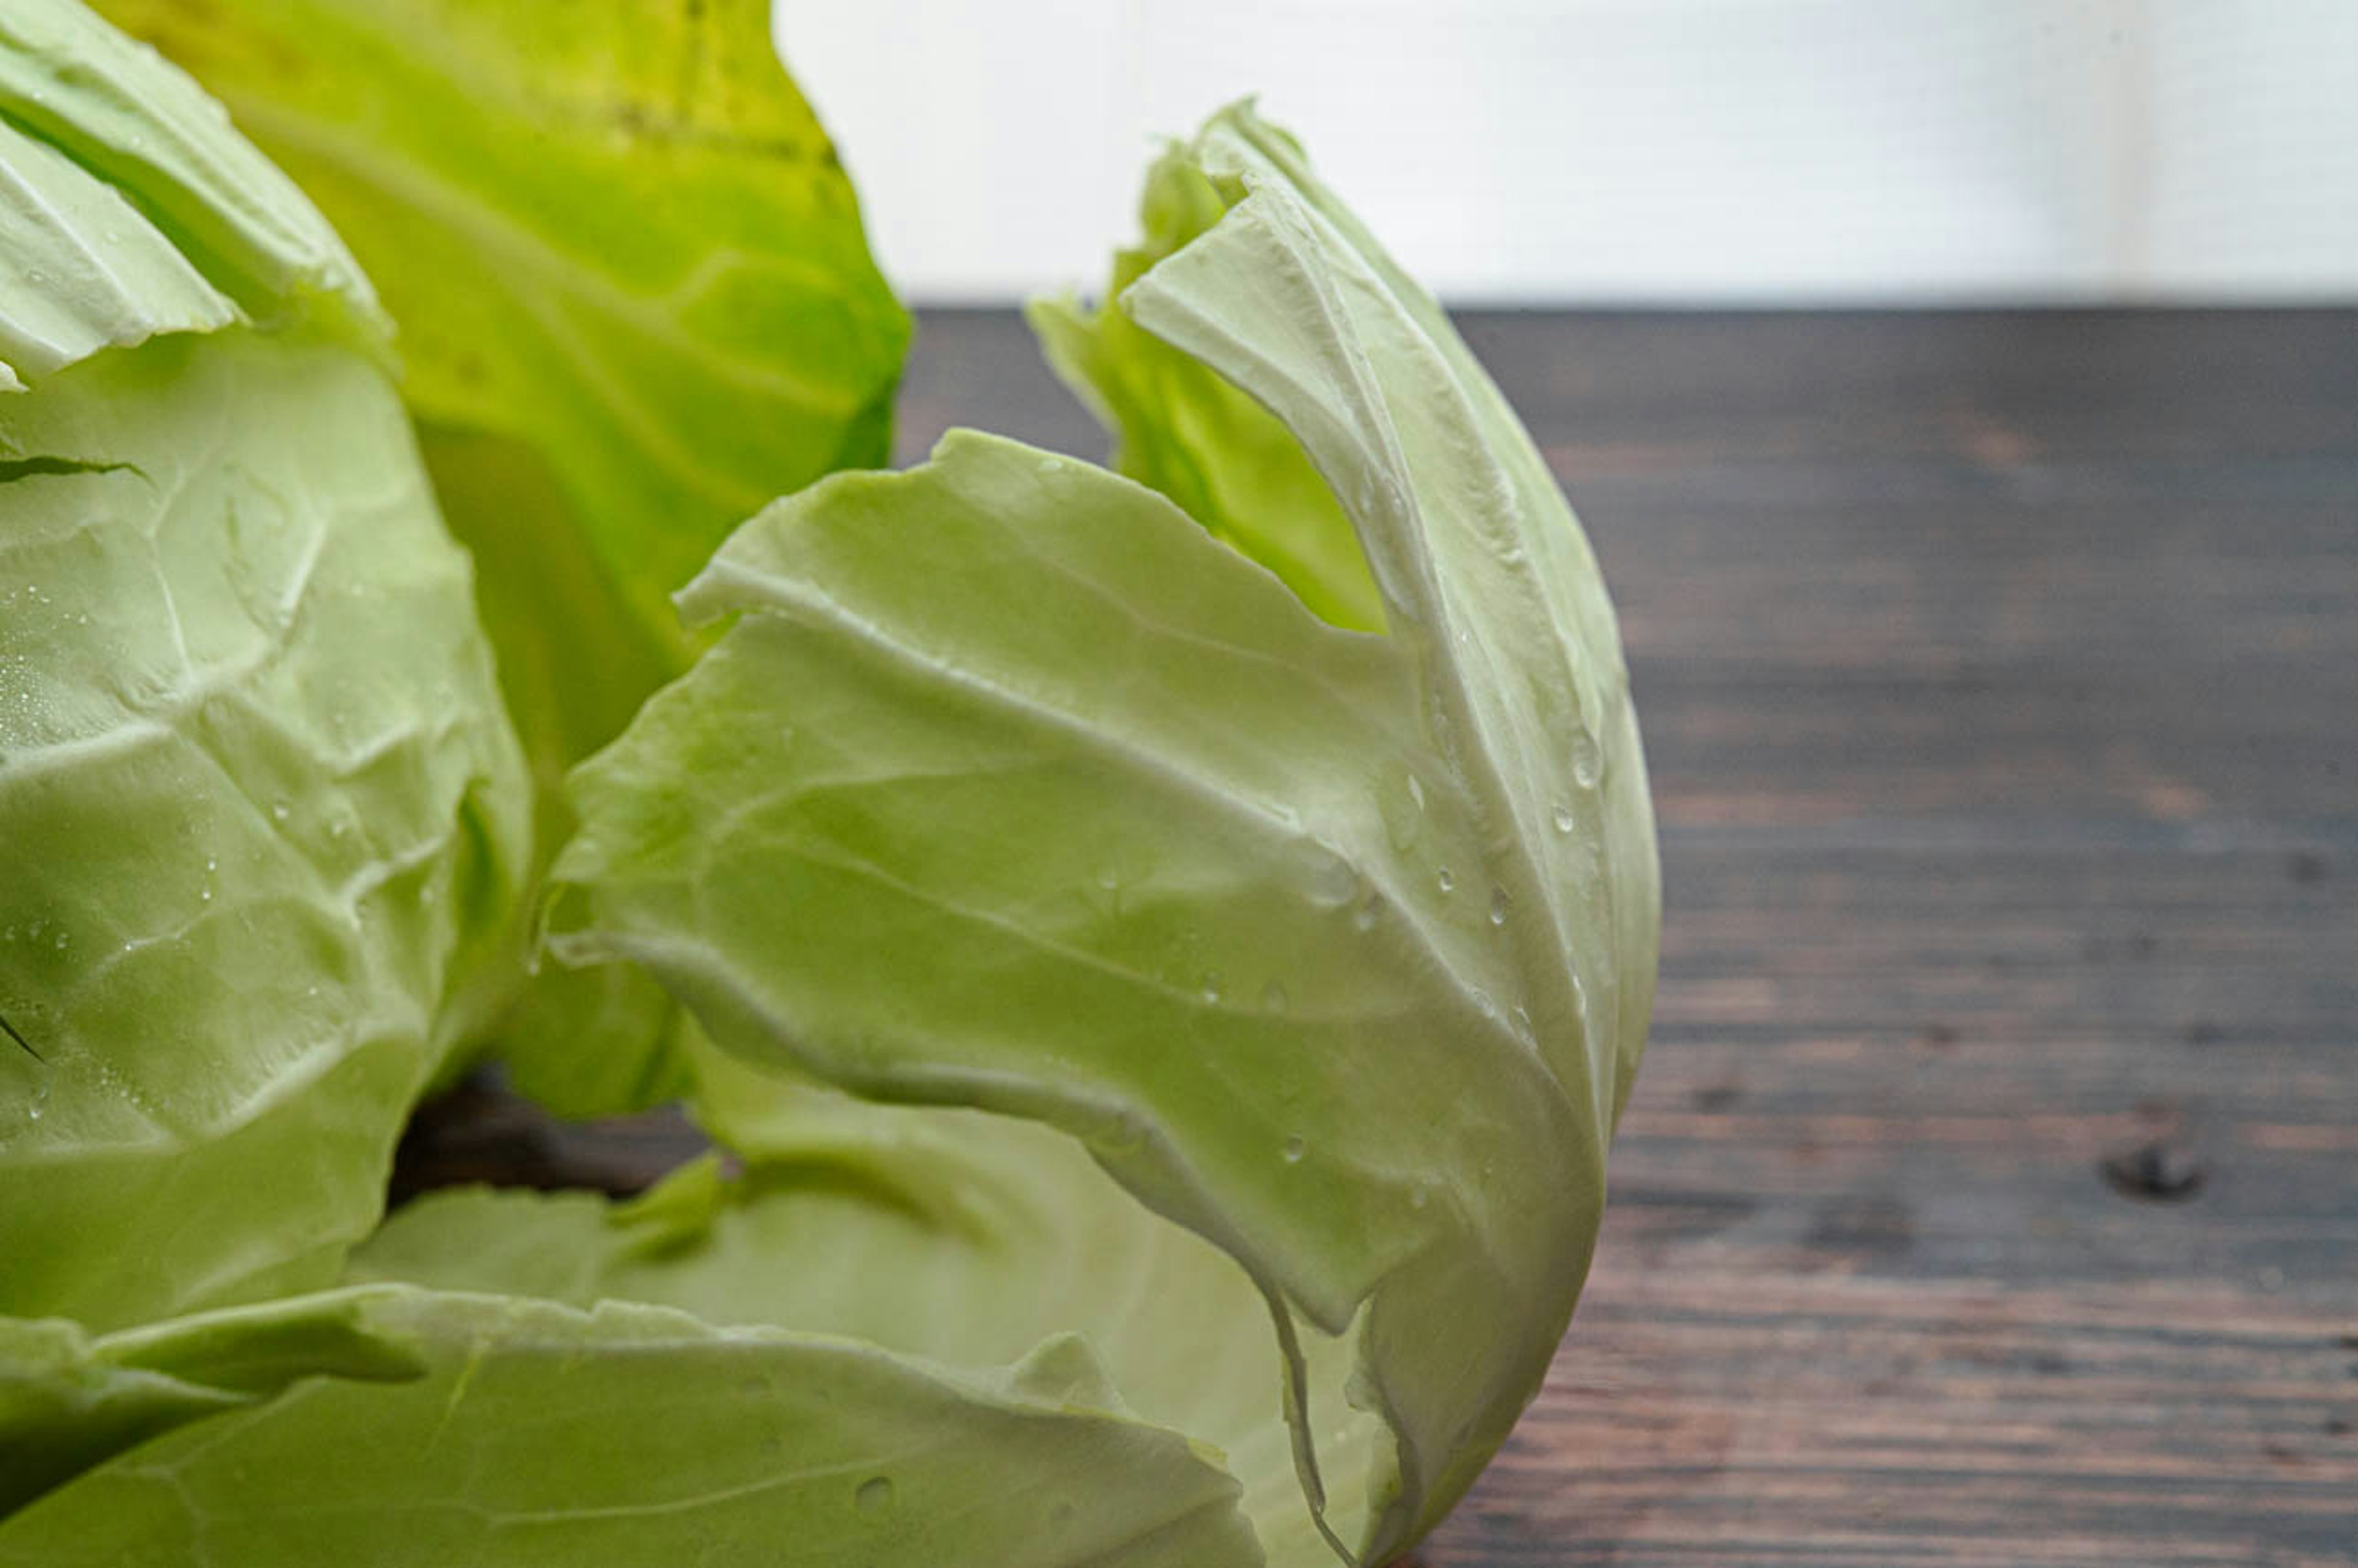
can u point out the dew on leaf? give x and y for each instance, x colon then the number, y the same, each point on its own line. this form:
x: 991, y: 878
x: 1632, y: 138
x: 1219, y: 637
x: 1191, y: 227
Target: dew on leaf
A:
x: 1586, y: 761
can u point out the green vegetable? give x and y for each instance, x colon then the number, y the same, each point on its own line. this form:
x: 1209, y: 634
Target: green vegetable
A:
x: 537, y: 1434
x: 260, y: 809
x: 1159, y: 957
x: 1012, y: 787
x: 626, y: 265
x: 634, y: 304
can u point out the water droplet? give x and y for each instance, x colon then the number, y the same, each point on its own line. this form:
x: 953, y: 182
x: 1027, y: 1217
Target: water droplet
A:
x: 280, y: 811
x: 1274, y: 997
x: 1446, y: 879
x: 1564, y: 820
x: 33, y: 1111
x: 1402, y: 811
x: 1051, y: 465
x: 1586, y: 761
x: 1294, y: 1149
x: 1500, y: 902
x: 204, y: 895
x: 1364, y: 917
x: 62, y: 940
x: 1211, y: 989
x: 874, y: 1496
x: 1330, y: 879
x: 211, y: 864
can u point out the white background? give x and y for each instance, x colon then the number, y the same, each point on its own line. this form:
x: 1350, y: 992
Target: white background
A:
x: 1634, y: 151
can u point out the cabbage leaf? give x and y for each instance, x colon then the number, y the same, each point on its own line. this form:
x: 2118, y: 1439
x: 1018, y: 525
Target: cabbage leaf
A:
x: 262, y: 819
x: 511, y: 1433
x: 636, y: 303
x: 1012, y: 786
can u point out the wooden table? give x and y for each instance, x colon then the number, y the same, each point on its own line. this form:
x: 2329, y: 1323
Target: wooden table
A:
x: 1990, y: 1195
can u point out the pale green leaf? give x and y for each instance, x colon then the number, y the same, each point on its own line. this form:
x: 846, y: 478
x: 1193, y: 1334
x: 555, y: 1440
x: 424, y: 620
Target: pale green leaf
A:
x: 949, y: 1235
x: 128, y: 206
x: 1012, y: 787
x: 257, y: 800
x: 538, y: 1436
x: 262, y: 819
x: 70, y: 1399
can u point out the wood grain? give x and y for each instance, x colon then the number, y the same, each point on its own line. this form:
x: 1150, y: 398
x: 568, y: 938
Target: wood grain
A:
x: 1990, y: 1195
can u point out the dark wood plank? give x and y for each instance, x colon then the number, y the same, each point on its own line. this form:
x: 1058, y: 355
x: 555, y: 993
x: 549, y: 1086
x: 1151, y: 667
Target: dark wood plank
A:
x: 1732, y: 1411
x: 1990, y: 1195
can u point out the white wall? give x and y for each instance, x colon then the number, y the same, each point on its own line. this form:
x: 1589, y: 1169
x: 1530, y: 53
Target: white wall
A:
x: 1700, y: 151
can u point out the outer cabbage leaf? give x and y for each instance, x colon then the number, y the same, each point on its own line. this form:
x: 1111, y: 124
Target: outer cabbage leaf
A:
x: 948, y: 1234
x: 128, y: 206
x: 1010, y: 787
x: 532, y: 1435
x: 259, y: 807
x: 70, y: 1401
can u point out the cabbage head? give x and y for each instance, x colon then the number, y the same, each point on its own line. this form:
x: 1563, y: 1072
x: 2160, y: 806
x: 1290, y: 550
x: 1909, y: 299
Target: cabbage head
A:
x: 1158, y: 951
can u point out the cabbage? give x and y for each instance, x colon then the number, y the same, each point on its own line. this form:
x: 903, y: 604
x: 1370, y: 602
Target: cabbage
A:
x: 636, y: 303
x: 261, y: 810
x: 1159, y: 954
